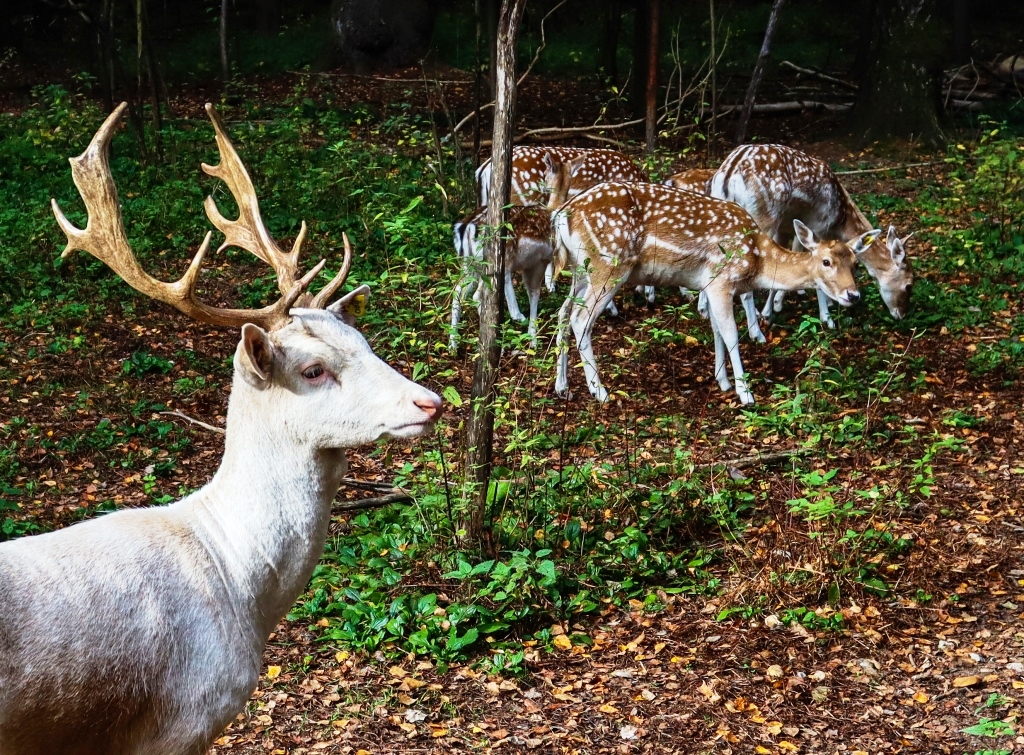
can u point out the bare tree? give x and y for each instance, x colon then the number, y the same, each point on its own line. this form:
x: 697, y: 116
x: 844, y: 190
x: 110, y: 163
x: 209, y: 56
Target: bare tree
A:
x: 755, y: 79
x: 480, y: 429
x: 651, y: 115
x: 225, y: 69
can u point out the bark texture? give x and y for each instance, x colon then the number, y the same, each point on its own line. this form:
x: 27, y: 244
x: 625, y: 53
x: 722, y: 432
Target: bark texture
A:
x: 900, y: 89
x: 480, y: 429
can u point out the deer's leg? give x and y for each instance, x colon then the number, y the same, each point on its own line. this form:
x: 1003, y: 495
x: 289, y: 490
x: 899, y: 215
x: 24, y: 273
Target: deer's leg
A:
x: 582, y: 319
x: 702, y: 304
x: 562, y: 341
x: 510, y: 299
x: 750, y: 308
x: 723, y: 319
x: 648, y: 292
x: 534, y: 279
x: 823, y: 309
x: 549, y: 277
x: 462, y: 289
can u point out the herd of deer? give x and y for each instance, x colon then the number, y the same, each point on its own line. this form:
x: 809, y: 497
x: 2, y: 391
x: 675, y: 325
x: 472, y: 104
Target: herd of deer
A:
x: 723, y: 233
x: 141, y: 632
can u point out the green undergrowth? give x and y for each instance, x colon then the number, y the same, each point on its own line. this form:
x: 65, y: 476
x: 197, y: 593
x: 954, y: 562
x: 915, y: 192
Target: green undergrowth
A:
x: 593, y: 509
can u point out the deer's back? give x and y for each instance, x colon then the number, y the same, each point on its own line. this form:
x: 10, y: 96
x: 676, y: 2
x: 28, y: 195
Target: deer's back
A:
x: 116, y: 637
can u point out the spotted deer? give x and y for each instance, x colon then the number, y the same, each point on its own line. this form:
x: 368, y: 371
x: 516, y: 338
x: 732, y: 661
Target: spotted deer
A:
x: 694, y: 179
x: 619, y: 234
x: 777, y: 184
x: 141, y: 632
x: 528, y: 249
x: 529, y: 166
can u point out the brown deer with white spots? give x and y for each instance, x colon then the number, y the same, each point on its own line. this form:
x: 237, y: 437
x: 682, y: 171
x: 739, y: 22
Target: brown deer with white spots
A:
x: 619, y: 234
x: 694, y: 179
x: 528, y: 249
x: 777, y: 185
x: 530, y: 165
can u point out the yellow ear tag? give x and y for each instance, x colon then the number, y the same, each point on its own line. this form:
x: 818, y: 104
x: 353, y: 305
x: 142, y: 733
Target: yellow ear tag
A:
x: 357, y: 307
x: 868, y: 240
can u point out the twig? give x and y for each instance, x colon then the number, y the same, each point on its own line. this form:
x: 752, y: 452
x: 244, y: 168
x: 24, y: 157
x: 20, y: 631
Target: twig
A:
x: 351, y: 482
x: 820, y: 75
x: 884, y: 170
x: 205, y: 426
x: 756, y: 459
x: 543, y: 43
x: 372, y: 503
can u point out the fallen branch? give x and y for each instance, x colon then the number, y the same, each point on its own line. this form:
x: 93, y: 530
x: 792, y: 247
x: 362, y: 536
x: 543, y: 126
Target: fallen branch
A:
x: 820, y: 75
x: 205, y: 426
x: 351, y: 482
x: 885, y: 170
x: 373, y: 503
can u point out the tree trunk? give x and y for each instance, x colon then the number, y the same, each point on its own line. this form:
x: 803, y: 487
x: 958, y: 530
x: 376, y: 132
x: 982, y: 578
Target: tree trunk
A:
x: 608, y: 60
x: 637, y: 81
x: 868, y: 13
x: 480, y: 429
x: 755, y: 79
x: 492, y: 11
x: 900, y: 90
x: 713, y: 69
x: 961, y: 31
x: 651, y: 114
x: 225, y: 69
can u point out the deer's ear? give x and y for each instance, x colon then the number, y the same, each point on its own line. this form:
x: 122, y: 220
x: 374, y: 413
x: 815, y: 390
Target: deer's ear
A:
x: 804, y: 235
x: 549, y: 163
x: 351, y: 305
x: 576, y: 163
x: 896, y: 248
x: 255, y: 356
x: 862, y: 242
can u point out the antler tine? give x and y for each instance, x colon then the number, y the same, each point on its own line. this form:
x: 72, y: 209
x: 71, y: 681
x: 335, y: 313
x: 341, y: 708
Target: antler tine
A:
x: 323, y: 297
x: 249, y: 231
x: 104, y: 238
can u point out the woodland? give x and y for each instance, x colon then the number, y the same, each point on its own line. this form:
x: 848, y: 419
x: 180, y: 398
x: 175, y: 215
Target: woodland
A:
x: 835, y: 568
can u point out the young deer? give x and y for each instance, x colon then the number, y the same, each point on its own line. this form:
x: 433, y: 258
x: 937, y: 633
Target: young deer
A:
x: 528, y: 249
x: 530, y: 165
x: 140, y: 633
x: 777, y: 184
x: 649, y: 234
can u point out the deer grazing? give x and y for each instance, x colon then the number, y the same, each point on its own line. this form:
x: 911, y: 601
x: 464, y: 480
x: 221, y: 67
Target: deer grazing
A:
x: 530, y: 164
x: 528, y: 249
x: 694, y: 179
x: 619, y: 234
x: 141, y: 632
x: 777, y: 184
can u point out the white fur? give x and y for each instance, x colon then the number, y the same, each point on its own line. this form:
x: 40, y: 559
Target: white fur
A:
x: 140, y: 632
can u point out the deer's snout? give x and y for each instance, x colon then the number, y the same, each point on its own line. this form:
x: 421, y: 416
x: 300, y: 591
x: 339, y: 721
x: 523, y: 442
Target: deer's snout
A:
x: 431, y: 405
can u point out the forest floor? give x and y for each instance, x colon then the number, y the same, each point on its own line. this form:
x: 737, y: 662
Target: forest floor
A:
x: 942, y: 673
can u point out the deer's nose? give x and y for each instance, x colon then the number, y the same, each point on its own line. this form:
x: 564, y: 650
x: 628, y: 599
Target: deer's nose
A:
x: 854, y: 296
x: 431, y: 405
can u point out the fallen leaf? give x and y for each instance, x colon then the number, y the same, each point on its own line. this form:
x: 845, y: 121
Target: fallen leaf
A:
x: 273, y: 672
x: 966, y: 681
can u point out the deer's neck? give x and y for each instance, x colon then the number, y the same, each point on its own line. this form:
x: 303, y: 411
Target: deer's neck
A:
x: 852, y: 222
x: 780, y: 269
x: 264, y: 515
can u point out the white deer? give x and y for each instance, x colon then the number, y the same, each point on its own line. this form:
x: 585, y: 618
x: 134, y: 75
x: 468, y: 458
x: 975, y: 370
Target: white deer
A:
x: 777, y: 184
x: 649, y: 234
x: 140, y: 633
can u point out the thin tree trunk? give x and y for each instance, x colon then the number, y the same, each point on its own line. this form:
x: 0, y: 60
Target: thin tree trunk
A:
x: 755, y: 80
x: 900, y: 92
x: 478, y: 83
x: 609, y: 57
x: 480, y: 429
x: 651, y: 116
x: 713, y: 67
x: 637, y: 83
x: 961, y: 31
x: 225, y: 69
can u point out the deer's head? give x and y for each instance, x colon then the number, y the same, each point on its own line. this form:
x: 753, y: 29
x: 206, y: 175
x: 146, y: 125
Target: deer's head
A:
x: 832, y: 264
x: 558, y: 178
x: 887, y: 262
x: 299, y: 363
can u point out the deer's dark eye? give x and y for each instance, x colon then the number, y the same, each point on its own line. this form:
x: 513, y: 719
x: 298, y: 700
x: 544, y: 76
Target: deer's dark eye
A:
x: 312, y: 373
x: 827, y: 263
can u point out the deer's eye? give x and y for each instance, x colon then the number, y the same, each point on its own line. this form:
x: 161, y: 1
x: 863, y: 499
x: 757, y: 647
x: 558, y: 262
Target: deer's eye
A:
x: 312, y: 373
x: 826, y: 263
